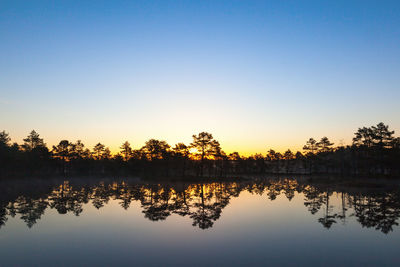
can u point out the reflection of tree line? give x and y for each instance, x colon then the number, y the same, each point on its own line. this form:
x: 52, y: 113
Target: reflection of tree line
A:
x: 203, y: 202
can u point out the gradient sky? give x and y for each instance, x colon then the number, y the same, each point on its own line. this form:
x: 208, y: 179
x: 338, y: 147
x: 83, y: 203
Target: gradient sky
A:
x: 256, y: 74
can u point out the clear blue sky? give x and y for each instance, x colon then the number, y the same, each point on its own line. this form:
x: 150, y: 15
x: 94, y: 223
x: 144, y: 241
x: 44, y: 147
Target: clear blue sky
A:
x: 256, y: 74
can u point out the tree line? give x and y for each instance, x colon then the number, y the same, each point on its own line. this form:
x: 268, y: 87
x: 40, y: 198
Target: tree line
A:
x: 374, y: 151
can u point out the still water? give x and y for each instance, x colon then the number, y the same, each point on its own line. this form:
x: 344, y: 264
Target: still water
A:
x: 261, y: 221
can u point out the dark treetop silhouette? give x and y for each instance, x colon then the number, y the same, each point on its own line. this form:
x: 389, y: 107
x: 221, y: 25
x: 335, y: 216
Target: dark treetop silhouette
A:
x: 375, y: 150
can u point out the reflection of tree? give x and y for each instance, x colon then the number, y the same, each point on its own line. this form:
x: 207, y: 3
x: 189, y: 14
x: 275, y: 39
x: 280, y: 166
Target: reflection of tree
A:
x: 257, y: 188
x: 273, y: 190
x: 290, y: 186
x: 203, y: 203
x: 3, y: 216
x: 314, y: 199
x: 30, y: 209
x: 64, y: 199
x: 155, y: 204
x: 205, y: 211
x: 125, y: 195
x: 342, y: 215
x: 380, y: 212
x: 100, y: 195
x: 181, y: 202
x: 327, y: 219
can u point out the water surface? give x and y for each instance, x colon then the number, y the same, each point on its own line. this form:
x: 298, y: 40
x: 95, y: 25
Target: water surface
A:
x: 263, y: 221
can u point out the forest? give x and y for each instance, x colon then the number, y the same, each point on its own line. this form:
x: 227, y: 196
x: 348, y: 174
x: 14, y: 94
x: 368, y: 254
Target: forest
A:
x: 374, y: 151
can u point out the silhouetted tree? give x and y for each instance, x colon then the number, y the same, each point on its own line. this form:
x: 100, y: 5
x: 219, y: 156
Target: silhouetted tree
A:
x: 311, y: 146
x: 64, y: 150
x: 325, y: 145
x: 33, y: 141
x: 204, y: 145
x: 4, y: 138
x: 36, y: 154
x: 382, y: 137
x: 288, y: 156
x: 181, y: 153
x: 126, y: 151
x: 5, y: 154
x: 220, y: 159
x: 98, y: 151
x: 107, y: 153
x: 79, y: 150
x: 274, y: 158
x: 155, y: 149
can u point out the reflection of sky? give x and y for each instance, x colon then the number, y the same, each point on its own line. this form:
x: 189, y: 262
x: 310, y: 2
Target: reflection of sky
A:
x: 252, y: 230
x: 255, y: 74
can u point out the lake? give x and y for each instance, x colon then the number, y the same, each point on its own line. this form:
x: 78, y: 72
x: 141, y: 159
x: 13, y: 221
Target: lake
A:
x: 285, y: 221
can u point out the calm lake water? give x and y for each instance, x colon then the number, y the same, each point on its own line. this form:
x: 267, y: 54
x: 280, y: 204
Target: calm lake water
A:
x: 264, y: 221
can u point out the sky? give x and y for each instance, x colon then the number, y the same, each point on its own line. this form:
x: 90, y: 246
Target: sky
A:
x: 256, y: 74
